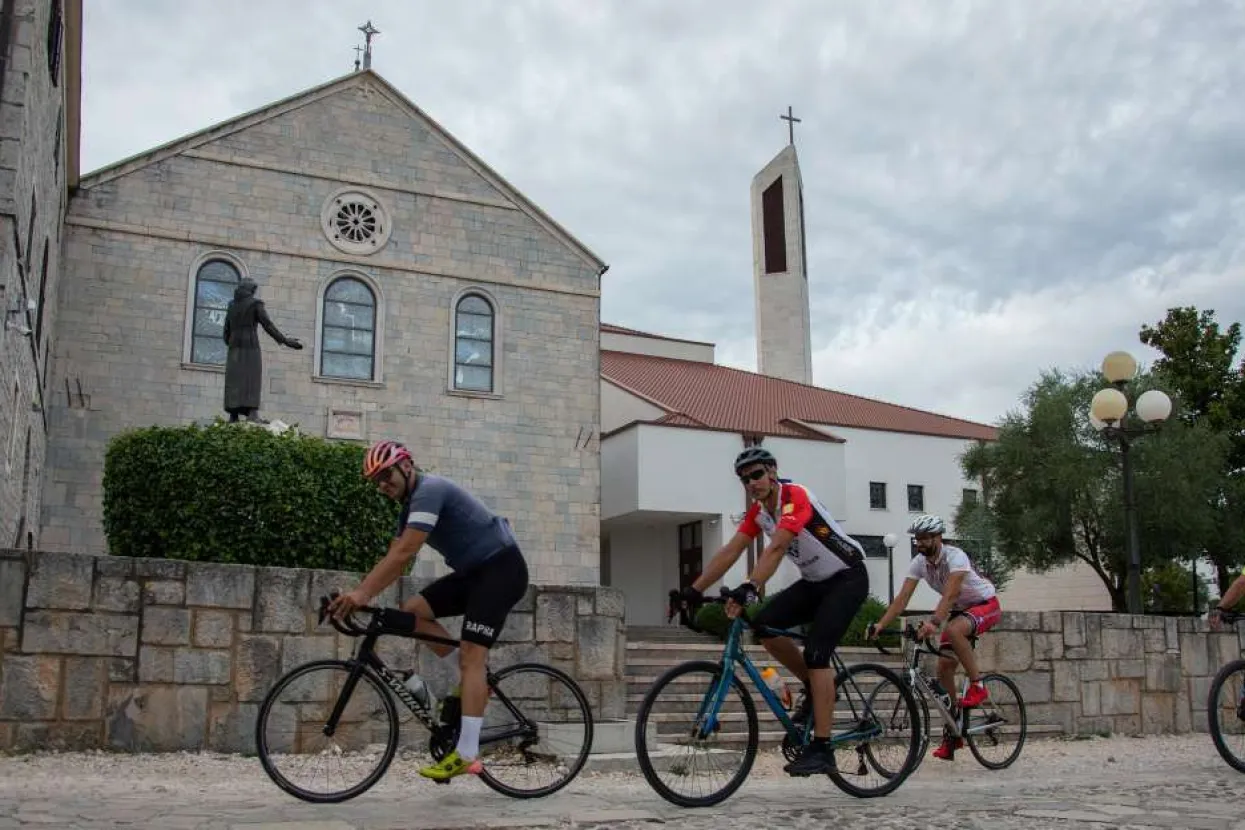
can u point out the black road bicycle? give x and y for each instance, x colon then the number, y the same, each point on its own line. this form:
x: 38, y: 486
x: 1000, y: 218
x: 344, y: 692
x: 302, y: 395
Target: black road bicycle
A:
x: 340, y: 714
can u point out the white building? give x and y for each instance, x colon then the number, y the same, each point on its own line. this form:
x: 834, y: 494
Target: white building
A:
x: 672, y: 422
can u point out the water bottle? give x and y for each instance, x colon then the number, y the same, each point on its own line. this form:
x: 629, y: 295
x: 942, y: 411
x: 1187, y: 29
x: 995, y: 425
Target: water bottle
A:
x: 779, y: 688
x: 419, y: 690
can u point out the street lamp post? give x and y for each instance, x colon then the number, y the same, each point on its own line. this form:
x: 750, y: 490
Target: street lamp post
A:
x: 889, y: 541
x: 1108, y: 413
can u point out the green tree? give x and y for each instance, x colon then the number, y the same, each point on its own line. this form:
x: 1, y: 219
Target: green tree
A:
x: 1201, y: 370
x: 1055, y: 492
x: 976, y: 534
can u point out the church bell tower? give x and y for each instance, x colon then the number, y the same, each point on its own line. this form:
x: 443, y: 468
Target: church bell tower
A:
x: 779, y: 267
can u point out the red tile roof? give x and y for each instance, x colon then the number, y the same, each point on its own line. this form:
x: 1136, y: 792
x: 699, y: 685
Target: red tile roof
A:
x: 612, y: 329
x: 709, y: 396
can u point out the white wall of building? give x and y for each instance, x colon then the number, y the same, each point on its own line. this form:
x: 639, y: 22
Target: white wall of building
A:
x: 659, y: 346
x: 644, y: 565
x: 619, y: 408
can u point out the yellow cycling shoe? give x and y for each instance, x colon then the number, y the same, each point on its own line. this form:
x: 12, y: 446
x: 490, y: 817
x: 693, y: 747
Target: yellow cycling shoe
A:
x: 450, y: 766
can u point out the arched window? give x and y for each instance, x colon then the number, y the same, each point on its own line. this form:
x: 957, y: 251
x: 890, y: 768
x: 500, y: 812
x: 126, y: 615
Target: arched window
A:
x: 215, y: 282
x: 474, y: 335
x: 348, y: 333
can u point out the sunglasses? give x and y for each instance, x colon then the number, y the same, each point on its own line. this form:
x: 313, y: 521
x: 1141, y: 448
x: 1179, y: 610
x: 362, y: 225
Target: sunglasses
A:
x: 753, y: 476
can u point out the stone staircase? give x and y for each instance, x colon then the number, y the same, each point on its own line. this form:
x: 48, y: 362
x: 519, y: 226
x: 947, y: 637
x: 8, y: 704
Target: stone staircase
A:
x: 651, y: 650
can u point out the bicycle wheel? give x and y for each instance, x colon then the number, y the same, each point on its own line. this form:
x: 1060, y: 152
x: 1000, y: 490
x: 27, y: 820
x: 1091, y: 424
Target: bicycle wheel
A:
x: 669, y: 731
x: 884, y: 742
x: 299, y: 706
x: 890, y: 708
x: 537, y: 724
x: 1001, y: 716
x: 1224, y: 706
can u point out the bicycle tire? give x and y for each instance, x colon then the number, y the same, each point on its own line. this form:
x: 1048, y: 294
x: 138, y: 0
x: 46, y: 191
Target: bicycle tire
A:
x: 909, y: 764
x: 920, y: 727
x: 970, y: 739
x: 265, y: 709
x: 1212, y: 714
x: 578, y: 765
x: 641, y: 735
x: 926, y: 725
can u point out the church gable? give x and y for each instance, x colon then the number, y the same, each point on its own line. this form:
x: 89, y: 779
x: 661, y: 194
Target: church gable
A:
x: 358, y: 133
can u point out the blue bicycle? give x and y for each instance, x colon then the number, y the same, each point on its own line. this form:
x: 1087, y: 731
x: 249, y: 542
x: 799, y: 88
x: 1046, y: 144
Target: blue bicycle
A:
x: 679, y: 726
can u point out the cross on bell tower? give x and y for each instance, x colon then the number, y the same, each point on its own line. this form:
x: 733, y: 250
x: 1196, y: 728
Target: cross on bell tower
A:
x: 791, y: 122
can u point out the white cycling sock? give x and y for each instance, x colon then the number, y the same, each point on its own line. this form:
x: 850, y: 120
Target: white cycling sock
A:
x: 469, y: 738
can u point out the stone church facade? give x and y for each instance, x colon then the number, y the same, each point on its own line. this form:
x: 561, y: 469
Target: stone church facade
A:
x: 39, y: 117
x: 438, y: 306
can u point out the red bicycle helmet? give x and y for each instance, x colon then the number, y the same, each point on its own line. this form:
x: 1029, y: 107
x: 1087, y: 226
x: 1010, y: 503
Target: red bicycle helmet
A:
x: 383, y: 455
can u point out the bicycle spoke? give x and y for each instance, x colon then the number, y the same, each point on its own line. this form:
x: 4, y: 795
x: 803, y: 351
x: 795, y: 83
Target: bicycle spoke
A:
x: 319, y: 767
x: 1226, y: 713
x: 875, y: 736
x: 687, y: 759
x: 997, y: 727
x: 537, y: 731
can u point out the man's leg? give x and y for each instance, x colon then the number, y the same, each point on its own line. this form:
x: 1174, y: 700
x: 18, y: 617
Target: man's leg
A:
x: 785, y: 651
x: 426, y: 623
x: 956, y: 635
x: 841, y: 597
x: 794, y: 605
x: 496, y: 587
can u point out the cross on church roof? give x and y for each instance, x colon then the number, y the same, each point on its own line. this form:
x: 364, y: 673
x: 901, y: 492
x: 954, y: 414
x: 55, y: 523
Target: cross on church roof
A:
x: 791, y: 121
x: 368, y: 31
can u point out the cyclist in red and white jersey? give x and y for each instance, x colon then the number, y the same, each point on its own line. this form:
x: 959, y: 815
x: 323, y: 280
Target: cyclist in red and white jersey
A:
x: 833, y: 585
x: 969, y: 605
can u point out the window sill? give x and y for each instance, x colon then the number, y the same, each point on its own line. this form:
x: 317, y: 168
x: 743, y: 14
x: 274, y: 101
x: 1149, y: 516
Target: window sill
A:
x: 880, y: 509
x: 203, y: 367
x: 469, y: 393
x: 332, y: 381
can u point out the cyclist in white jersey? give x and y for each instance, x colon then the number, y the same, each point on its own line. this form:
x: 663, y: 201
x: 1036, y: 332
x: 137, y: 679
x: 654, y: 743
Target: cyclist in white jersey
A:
x: 833, y: 585
x: 969, y: 606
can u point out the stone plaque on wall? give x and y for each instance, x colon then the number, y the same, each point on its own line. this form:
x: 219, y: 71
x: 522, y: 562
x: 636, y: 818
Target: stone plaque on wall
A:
x: 349, y: 424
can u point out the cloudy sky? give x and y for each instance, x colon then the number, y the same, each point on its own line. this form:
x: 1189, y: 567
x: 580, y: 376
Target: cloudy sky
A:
x: 991, y: 188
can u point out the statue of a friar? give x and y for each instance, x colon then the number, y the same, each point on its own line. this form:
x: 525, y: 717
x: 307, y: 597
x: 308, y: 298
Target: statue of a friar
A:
x: 244, y: 365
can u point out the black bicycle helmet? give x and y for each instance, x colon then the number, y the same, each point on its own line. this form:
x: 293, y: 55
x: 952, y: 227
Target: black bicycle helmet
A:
x: 754, y: 455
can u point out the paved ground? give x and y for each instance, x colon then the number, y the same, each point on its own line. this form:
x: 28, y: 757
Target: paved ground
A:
x: 1157, y: 782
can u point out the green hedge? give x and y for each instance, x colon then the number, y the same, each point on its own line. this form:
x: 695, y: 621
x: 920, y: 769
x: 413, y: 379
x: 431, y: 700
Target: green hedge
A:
x: 712, y: 618
x: 238, y: 493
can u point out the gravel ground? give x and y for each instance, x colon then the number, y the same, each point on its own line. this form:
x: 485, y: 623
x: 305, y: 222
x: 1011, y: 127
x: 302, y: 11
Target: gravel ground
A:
x: 1157, y: 781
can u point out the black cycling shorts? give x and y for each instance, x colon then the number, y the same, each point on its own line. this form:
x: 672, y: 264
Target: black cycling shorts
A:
x: 482, y: 596
x: 830, y: 605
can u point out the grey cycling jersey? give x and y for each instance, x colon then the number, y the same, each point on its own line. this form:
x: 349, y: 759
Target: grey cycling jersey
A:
x: 458, y: 524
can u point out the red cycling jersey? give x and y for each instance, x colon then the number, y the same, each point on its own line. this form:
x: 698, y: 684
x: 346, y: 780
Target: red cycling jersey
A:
x: 820, y: 548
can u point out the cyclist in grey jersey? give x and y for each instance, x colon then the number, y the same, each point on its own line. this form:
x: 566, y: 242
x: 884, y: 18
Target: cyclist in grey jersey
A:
x: 488, y: 578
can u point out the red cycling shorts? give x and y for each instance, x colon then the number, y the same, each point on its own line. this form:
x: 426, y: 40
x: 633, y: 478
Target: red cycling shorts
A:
x: 982, y: 617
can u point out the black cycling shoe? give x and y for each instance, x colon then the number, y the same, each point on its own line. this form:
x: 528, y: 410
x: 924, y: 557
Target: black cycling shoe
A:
x: 816, y: 758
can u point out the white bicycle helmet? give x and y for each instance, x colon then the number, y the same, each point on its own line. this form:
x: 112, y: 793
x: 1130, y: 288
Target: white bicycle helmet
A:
x: 928, y: 523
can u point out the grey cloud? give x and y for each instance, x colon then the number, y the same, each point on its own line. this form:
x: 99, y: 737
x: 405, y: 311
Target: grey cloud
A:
x: 967, y: 153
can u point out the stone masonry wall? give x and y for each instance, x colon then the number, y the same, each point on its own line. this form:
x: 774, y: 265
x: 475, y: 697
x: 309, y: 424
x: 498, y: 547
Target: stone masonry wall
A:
x: 1110, y: 673
x: 137, y: 234
x: 33, y: 138
x: 158, y: 655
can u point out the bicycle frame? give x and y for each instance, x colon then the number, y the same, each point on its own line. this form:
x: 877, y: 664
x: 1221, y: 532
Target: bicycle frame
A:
x: 388, y: 621
x: 919, y: 680
x: 733, y: 654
